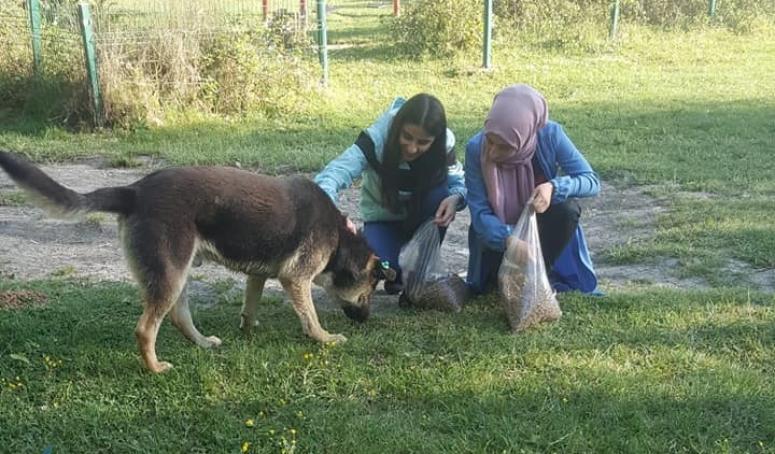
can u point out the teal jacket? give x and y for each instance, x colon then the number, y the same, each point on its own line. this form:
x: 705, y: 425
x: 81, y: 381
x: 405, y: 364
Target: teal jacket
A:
x: 351, y: 164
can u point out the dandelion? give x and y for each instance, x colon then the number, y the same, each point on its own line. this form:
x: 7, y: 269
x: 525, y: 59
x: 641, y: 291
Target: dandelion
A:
x: 261, y: 414
x: 271, y: 431
x: 292, y: 431
x: 245, y: 446
x: 250, y: 422
x: 308, y: 356
x: 51, y: 363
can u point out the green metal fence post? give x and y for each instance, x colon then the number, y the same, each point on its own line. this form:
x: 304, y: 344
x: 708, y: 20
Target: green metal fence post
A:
x: 614, y: 19
x: 487, y: 48
x: 90, y: 54
x: 712, y: 8
x: 33, y: 6
x: 323, y: 40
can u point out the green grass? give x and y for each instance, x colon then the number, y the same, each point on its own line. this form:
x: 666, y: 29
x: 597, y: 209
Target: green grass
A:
x: 640, y: 370
x: 652, y: 371
x: 689, y: 111
x: 12, y: 199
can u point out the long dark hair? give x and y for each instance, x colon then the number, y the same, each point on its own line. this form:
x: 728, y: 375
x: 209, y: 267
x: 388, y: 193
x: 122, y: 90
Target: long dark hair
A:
x: 427, y: 171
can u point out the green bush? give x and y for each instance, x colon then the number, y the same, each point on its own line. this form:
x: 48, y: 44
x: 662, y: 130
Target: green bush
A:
x: 15, y: 56
x: 558, y: 24
x: 226, y: 72
x: 439, y: 27
x: 737, y: 15
x: 57, y: 92
x: 287, y: 33
x: 243, y: 74
x: 184, y: 63
x: 555, y: 20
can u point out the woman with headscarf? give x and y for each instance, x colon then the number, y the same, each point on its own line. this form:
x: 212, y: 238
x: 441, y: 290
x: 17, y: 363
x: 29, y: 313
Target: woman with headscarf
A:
x: 516, y: 159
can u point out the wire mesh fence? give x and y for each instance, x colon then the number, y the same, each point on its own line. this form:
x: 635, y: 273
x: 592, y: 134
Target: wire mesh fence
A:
x: 203, y: 15
x: 227, y: 56
x: 24, y: 42
x: 15, y: 37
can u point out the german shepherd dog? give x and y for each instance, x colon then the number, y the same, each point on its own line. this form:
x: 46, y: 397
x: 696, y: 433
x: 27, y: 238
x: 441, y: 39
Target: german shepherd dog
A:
x: 265, y: 227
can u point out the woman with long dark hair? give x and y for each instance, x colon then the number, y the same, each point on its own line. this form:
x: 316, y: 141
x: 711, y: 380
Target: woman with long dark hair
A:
x: 409, y: 174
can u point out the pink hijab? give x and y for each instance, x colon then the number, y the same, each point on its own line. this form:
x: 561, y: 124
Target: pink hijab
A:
x: 517, y: 114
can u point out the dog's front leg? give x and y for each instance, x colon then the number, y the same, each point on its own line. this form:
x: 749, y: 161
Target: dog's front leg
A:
x: 300, y: 291
x: 253, y: 290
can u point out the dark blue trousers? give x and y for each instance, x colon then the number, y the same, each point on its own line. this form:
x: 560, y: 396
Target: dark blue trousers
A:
x: 387, y: 237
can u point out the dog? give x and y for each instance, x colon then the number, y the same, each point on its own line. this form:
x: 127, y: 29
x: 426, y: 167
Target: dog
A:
x: 266, y: 227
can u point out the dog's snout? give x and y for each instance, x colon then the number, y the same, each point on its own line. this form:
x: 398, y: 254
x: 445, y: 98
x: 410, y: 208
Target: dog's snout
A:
x: 357, y: 313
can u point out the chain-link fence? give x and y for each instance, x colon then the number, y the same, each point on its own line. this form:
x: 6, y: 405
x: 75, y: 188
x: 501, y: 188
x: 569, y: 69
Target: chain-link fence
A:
x: 221, y: 56
x: 24, y: 41
x: 15, y: 37
x: 234, y: 56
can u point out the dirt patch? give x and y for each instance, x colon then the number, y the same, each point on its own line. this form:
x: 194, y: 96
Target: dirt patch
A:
x: 21, y: 299
x: 34, y: 246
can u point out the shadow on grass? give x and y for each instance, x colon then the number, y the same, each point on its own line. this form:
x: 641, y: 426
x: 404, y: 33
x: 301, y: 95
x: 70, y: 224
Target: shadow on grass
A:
x: 645, y: 143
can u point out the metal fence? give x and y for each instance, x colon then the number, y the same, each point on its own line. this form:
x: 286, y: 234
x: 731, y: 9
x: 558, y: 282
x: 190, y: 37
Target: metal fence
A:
x: 128, y: 30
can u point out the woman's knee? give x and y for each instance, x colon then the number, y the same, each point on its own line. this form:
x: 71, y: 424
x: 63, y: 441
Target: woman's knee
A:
x: 433, y: 199
x: 567, y: 213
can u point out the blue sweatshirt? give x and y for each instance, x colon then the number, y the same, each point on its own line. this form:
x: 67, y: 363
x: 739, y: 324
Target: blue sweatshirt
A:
x: 572, y: 177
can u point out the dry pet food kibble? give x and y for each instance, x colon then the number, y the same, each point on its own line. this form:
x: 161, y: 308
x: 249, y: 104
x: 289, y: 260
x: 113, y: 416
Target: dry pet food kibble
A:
x: 526, y: 302
x: 526, y: 293
x: 446, y: 294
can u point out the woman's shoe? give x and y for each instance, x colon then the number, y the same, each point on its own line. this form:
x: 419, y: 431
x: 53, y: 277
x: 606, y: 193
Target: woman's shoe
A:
x: 404, y: 301
x: 393, y: 287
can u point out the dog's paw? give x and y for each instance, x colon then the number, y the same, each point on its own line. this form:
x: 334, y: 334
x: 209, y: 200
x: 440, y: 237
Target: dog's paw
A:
x: 247, y: 326
x: 334, y: 338
x: 212, y: 342
x: 161, y: 367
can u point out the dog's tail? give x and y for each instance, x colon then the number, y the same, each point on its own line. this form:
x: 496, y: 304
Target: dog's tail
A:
x: 59, y: 200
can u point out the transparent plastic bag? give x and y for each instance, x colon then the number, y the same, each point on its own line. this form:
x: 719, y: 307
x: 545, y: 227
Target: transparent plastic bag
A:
x: 427, y: 284
x: 526, y: 293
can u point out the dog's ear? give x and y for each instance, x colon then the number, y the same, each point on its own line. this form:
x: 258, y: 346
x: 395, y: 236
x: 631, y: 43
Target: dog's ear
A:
x: 346, y: 266
x: 382, y: 270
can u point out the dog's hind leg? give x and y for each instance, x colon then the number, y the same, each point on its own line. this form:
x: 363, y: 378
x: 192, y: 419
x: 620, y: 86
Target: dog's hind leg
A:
x: 253, y: 291
x: 300, y: 291
x: 161, y: 292
x: 181, y: 318
x: 160, y: 266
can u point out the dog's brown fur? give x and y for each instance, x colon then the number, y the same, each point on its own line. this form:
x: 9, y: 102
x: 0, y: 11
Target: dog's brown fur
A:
x: 265, y: 227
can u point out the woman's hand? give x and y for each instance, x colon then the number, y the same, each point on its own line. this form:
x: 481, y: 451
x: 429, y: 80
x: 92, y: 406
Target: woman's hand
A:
x: 446, y: 211
x: 542, y: 197
x: 518, y: 251
x: 351, y: 226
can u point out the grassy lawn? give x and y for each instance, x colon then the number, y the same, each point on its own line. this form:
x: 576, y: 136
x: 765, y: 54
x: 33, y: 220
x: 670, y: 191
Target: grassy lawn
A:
x: 690, y: 114
x: 652, y: 371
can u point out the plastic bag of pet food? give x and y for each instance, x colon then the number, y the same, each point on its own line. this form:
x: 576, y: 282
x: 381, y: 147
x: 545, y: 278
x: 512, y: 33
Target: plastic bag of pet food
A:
x: 527, y: 295
x: 426, y: 283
